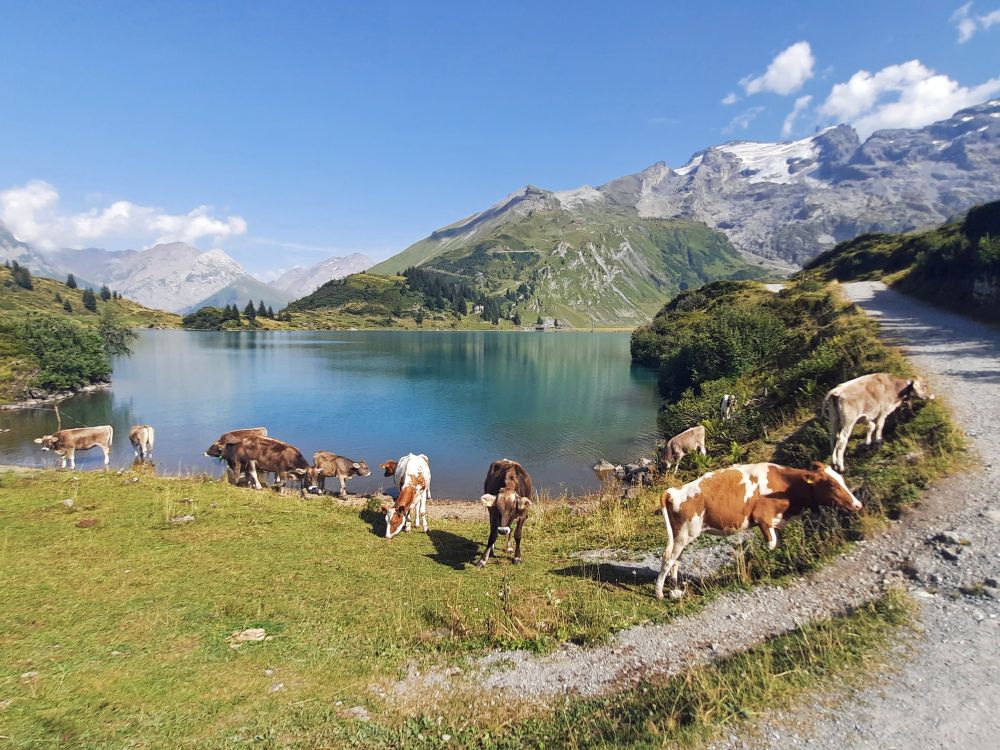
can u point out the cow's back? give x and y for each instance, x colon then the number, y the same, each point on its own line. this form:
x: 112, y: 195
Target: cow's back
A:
x: 412, y: 464
x: 867, y: 394
x: 83, y: 438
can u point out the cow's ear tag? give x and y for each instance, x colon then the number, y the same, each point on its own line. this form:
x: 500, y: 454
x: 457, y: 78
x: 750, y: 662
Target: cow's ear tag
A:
x: 810, y: 480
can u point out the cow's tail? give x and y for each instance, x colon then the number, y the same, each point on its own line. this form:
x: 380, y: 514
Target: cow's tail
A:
x: 831, y: 413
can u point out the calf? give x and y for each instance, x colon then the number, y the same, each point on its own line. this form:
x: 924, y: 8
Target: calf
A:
x: 508, y: 497
x: 331, y: 465
x: 141, y: 436
x: 689, y: 441
x: 413, y: 478
x: 253, y: 454
x: 727, y: 406
x: 216, y: 449
x: 869, y: 399
x: 67, y: 442
x: 729, y: 500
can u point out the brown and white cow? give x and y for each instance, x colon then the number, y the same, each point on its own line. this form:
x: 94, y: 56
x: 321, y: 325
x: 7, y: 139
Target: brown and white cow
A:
x: 730, y: 500
x: 869, y: 399
x: 412, y: 474
x: 508, y: 494
x: 67, y: 442
x: 142, y: 436
x: 331, y: 465
x: 253, y: 454
x: 216, y: 449
x: 689, y: 441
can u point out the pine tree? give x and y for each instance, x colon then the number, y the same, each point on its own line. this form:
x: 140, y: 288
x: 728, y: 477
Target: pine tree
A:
x: 539, y: 321
x: 71, y: 281
x: 105, y: 293
x: 270, y: 312
x: 261, y: 310
x: 249, y: 311
x: 419, y: 317
x: 516, y: 319
x: 22, y: 276
x: 90, y: 300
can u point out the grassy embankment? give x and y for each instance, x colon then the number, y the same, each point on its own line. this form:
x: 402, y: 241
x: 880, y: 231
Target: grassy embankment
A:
x: 956, y: 266
x: 125, y: 622
x: 17, y: 367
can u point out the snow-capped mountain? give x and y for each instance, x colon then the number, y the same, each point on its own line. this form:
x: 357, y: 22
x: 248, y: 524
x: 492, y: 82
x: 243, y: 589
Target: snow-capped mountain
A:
x: 300, y: 281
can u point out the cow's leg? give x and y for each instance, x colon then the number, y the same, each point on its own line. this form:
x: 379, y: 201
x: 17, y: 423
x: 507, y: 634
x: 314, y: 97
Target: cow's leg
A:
x: 494, y: 530
x: 843, y: 436
x: 517, y: 542
x: 252, y: 468
x: 701, y: 447
x: 879, y: 426
x: 671, y: 551
x: 63, y: 457
x: 343, y: 486
x: 423, y: 510
x: 107, y: 454
x: 677, y: 460
x: 510, y: 542
x: 871, y: 431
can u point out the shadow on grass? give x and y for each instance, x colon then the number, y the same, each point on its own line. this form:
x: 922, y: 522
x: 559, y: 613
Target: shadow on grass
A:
x: 375, y: 520
x: 606, y: 572
x: 452, y: 550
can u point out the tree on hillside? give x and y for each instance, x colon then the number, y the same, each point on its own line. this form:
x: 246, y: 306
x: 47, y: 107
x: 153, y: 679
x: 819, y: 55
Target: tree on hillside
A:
x: 539, y: 321
x: 419, y: 317
x: 261, y: 310
x: 115, y: 334
x: 22, y: 276
x: 71, y: 281
x: 58, y: 297
x: 67, y: 353
x: 516, y: 319
x: 67, y: 306
x: 270, y: 312
x: 250, y: 311
x: 90, y: 299
x: 105, y: 293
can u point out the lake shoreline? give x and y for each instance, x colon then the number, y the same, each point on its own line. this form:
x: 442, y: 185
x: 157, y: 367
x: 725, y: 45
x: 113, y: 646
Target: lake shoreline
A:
x: 54, y: 397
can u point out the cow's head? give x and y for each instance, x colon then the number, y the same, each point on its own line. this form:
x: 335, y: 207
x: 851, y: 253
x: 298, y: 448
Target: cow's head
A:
x: 360, y: 468
x: 389, y: 467
x: 215, y: 450
x: 509, y: 505
x: 48, y: 442
x: 829, y: 488
x: 395, y: 514
x: 918, y: 388
x: 308, y: 478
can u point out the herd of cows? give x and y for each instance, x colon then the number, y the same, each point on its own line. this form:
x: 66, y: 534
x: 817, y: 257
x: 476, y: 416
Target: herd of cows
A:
x: 724, y: 501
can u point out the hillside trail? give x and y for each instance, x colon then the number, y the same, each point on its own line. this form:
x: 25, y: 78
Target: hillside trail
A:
x: 946, y: 690
x: 946, y: 685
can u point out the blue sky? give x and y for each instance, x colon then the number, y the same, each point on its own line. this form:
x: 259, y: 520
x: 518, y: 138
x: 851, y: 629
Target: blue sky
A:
x: 288, y: 132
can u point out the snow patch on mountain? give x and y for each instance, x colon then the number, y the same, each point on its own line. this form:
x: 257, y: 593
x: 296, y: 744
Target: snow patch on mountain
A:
x: 299, y: 281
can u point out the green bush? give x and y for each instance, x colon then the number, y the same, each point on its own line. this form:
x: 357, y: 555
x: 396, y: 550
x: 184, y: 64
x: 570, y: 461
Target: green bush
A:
x: 68, y: 354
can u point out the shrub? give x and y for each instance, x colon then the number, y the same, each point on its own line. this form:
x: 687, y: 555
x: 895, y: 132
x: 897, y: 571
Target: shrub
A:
x: 68, y: 354
x: 71, y: 281
x: 90, y: 300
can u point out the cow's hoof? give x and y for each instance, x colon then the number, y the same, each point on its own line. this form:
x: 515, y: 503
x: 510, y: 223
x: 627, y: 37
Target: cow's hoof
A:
x: 481, y: 564
x: 516, y: 561
x: 659, y: 595
x: 676, y: 594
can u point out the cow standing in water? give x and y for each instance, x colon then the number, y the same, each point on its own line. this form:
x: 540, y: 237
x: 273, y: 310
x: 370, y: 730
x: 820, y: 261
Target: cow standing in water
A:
x: 412, y: 474
x: 507, y: 495
x: 730, y: 500
x: 67, y: 442
x: 869, y: 399
x: 142, y: 436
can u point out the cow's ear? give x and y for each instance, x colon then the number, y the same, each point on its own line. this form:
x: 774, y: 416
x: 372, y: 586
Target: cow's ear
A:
x: 523, y: 503
x: 488, y: 500
x: 356, y: 465
x: 38, y: 440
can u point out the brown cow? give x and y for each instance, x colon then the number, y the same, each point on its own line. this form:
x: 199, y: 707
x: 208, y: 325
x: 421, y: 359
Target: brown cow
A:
x: 142, y: 436
x: 869, y: 399
x: 331, y: 465
x: 412, y: 474
x: 689, y: 441
x: 729, y: 500
x: 253, y: 454
x: 508, y: 497
x: 67, y: 442
x: 215, y: 450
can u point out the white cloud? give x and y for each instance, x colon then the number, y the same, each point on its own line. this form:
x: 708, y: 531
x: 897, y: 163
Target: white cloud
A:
x: 742, y: 120
x: 908, y: 95
x: 730, y: 98
x: 31, y: 213
x: 786, y: 73
x: 800, y: 106
x: 968, y: 24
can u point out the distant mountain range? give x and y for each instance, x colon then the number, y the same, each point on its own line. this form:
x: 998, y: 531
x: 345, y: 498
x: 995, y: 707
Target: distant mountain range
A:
x: 299, y: 281
x: 782, y: 202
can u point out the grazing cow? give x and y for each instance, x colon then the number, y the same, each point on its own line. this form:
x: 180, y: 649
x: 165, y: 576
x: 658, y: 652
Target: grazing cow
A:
x: 332, y: 465
x: 141, y: 436
x: 215, y: 450
x: 727, y: 406
x: 253, y: 454
x: 413, y: 478
x: 689, y: 441
x: 67, y: 442
x: 730, y: 500
x: 869, y: 399
x: 508, y: 495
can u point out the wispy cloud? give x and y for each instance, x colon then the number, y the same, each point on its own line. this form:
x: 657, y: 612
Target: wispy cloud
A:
x: 786, y: 74
x: 742, y: 120
x: 730, y: 98
x: 31, y: 212
x: 968, y: 23
x: 801, y: 104
x: 908, y: 95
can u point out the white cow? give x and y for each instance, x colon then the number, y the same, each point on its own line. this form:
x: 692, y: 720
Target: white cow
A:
x: 412, y: 474
x: 142, y: 437
x: 869, y: 399
x: 727, y: 406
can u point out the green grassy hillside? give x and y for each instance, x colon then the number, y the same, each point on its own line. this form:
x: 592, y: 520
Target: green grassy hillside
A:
x: 587, y: 266
x: 956, y: 265
x: 18, y: 368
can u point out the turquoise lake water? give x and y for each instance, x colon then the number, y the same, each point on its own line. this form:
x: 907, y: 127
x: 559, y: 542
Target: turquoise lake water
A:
x: 556, y: 402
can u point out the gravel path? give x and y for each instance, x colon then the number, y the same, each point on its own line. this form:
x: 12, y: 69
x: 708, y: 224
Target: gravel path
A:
x: 947, y: 692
